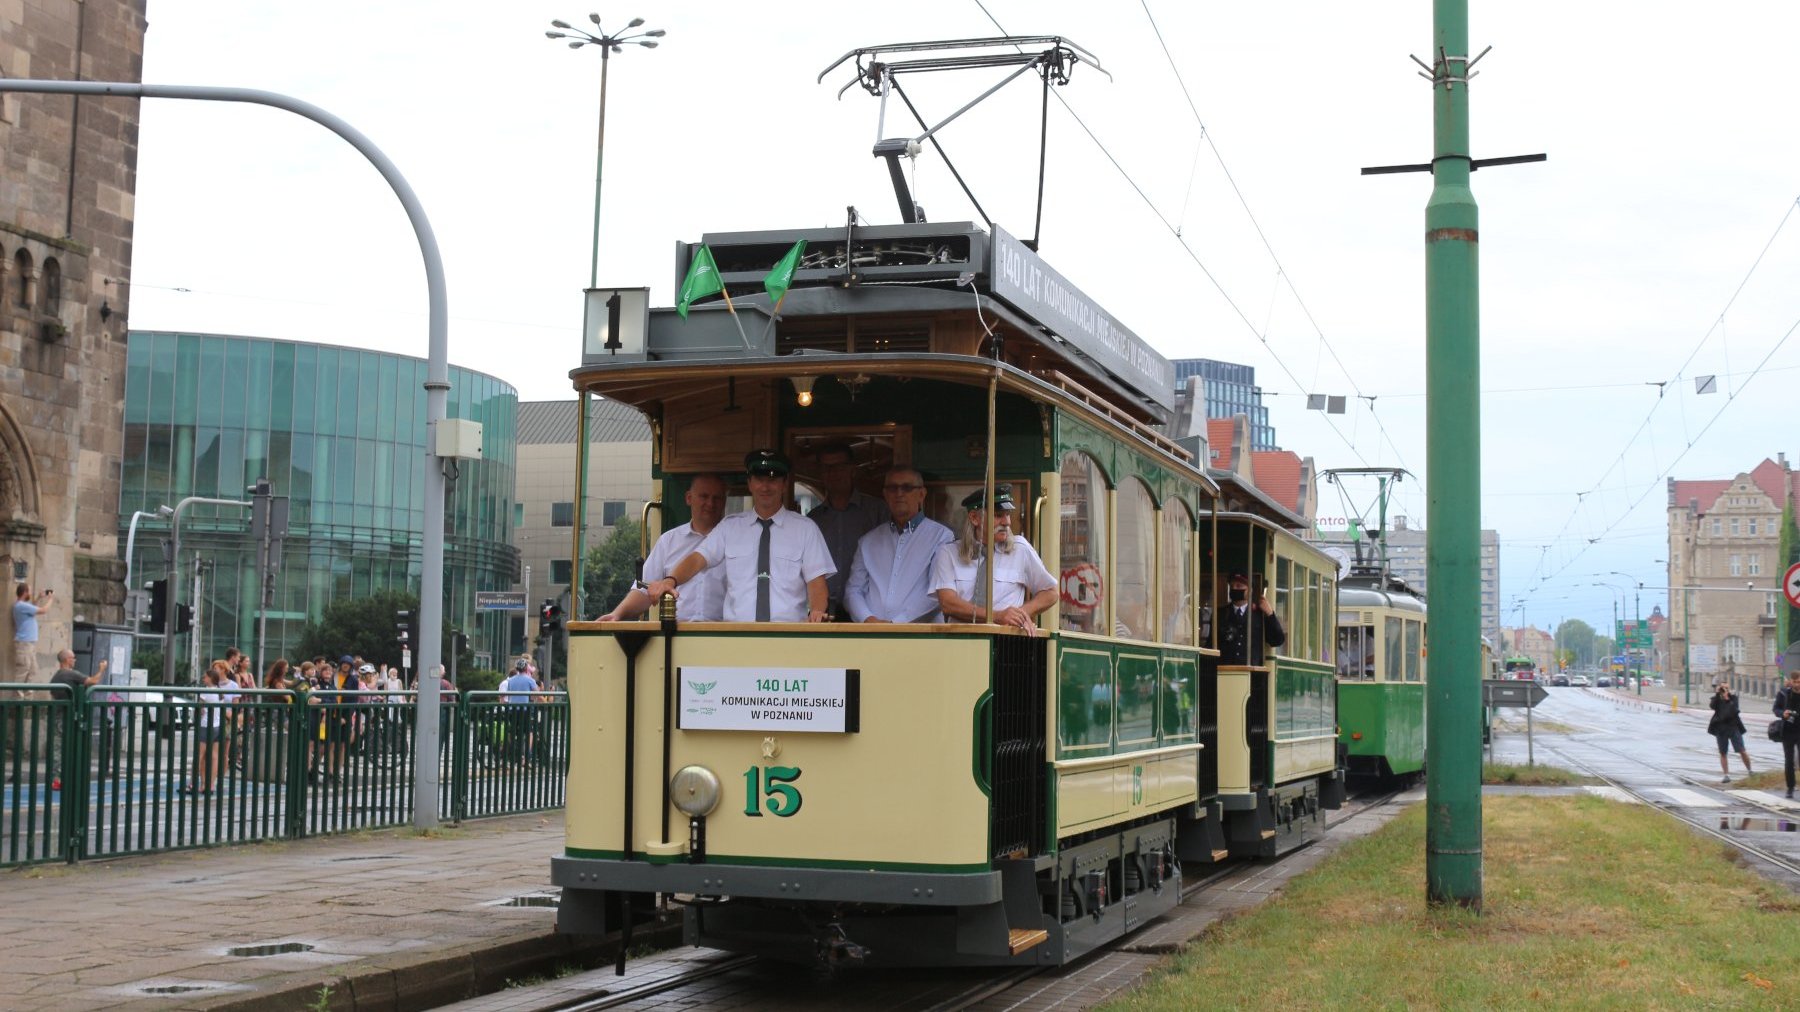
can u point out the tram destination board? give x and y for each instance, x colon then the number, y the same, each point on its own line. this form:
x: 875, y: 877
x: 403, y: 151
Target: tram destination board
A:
x: 1501, y: 692
x: 820, y: 700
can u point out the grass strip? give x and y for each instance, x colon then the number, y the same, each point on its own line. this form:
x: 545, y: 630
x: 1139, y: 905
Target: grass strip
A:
x: 1589, y: 904
x: 1520, y: 775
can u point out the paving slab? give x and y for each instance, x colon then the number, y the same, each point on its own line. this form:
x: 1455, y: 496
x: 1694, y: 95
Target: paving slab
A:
x: 376, y: 916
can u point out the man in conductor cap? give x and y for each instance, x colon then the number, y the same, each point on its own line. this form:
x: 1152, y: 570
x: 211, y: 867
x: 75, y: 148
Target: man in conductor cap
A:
x: 1247, y: 626
x: 775, y: 560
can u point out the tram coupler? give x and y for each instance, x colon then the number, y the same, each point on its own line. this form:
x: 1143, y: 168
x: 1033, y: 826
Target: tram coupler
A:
x: 834, y: 948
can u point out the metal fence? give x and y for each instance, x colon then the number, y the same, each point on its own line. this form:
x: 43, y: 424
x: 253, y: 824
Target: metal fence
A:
x: 114, y: 770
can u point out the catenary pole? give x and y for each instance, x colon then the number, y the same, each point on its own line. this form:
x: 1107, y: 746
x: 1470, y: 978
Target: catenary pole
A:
x: 437, y: 385
x: 1453, y: 455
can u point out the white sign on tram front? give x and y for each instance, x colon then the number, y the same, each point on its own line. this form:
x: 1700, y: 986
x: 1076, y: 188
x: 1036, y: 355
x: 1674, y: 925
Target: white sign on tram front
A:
x: 823, y: 700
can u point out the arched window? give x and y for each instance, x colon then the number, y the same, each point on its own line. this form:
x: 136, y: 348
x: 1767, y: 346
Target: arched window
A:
x: 22, y: 279
x: 1082, y: 565
x: 1732, y: 650
x: 1176, y: 574
x: 1134, y: 612
x: 50, y: 289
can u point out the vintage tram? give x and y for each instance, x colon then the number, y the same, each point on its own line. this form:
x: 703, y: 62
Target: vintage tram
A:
x: 927, y: 793
x: 1381, y: 675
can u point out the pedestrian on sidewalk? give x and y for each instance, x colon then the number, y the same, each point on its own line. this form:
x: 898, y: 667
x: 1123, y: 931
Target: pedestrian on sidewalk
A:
x: 1787, y: 707
x: 209, y: 730
x: 63, y: 685
x: 1727, y: 728
x: 25, y: 612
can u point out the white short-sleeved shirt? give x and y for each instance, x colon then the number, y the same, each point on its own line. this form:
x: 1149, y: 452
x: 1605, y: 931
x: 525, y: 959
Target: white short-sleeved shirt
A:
x: 1018, y: 574
x: 797, y: 555
x: 701, y: 598
x: 891, y: 578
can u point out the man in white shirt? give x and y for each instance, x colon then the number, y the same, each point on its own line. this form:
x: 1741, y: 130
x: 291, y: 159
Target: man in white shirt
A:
x: 890, y: 579
x: 704, y: 599
x: 1023, y: 588
x: 774, y: 560
x: 844, y: 517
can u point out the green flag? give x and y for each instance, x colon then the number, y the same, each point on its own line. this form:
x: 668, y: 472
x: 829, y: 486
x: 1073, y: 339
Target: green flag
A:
x: 782, y: 277
x: 702, y: 280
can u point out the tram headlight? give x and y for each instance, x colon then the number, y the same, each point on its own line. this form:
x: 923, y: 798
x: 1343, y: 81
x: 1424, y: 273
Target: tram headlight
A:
x: 803, y: 390
x: 694, y: 790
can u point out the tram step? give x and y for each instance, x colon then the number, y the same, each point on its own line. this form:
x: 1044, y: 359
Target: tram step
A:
x: 1268, y: 834
x: 1020, y: 939
x: 1220, y: 855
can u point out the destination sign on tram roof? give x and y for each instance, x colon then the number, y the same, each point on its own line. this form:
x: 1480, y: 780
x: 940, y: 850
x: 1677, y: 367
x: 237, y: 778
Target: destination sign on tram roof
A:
x: 1022, y: 278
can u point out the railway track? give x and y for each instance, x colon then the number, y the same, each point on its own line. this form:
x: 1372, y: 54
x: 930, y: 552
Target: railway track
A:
x: 758, y: 982
x: 1736, y: 841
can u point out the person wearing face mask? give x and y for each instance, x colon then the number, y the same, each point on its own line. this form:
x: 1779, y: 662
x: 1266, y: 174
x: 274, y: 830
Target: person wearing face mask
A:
x: 1247, y: 627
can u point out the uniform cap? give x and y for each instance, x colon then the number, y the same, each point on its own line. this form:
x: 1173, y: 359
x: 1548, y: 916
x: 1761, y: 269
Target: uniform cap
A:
x: 772, y: 463
x: 367, y: 669
x: 1003, y: 498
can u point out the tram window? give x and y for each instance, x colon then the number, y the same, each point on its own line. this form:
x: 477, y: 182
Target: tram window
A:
x: 1283, y: 598
x: 1315, y: 608
x: 1175, y: 571
x: 1392, y: 645
x: 1082, y: 564
x: 1412, y: 651
x: 1133, y: 615
x: 1356, y: 652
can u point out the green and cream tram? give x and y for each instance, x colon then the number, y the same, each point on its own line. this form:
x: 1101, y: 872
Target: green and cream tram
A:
x: 939, y: 793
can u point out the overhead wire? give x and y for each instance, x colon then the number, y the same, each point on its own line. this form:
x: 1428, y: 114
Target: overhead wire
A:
x: 1182, y: 242
x: 1269, y: 247
x: 1676, y: 378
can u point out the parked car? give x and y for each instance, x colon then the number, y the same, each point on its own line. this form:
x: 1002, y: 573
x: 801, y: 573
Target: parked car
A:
x: 1559, y: 679
x: 1604, y: 682
x: 165, y: 713
x: 1580, y: 681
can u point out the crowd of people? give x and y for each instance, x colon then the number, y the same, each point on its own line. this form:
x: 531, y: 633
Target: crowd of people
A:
x: 851, y: 558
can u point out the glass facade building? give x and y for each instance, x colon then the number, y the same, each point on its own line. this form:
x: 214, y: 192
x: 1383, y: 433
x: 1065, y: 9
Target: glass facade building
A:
x: 1231, y: 390
x: 341, y: 433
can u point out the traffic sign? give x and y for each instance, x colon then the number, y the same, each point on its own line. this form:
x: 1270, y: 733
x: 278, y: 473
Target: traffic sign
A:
x: 1507, y: 693
x: 1790, y: 584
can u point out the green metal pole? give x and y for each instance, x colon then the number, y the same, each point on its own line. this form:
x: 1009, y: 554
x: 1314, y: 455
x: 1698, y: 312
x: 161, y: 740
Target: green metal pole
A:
x: 1453, y: 455
x: 1637, y: 622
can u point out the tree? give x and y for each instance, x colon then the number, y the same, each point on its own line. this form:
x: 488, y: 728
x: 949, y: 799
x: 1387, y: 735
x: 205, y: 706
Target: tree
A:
x: 365, y: 627
x: 610, y: 568
x: 1576, y: 638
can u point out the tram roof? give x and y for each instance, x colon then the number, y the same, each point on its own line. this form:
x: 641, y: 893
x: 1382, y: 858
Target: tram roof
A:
x: 1366, y: 590
x: 643, y: 384
x: 1242, y: 497
x: 925, y: 268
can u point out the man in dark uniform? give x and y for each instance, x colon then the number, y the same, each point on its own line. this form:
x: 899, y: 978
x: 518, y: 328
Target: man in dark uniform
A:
x: 1245, y: 623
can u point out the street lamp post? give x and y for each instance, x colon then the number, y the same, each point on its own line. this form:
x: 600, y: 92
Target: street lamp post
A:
x: 1637, y: 623
x: 609, y: 44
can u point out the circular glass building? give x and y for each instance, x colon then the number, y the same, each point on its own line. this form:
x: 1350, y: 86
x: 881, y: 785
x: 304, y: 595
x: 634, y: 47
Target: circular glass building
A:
x: 341, y: 433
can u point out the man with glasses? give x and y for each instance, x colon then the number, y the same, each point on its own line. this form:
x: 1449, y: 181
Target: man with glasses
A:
x: 890, y: 579
x: 844, y: 517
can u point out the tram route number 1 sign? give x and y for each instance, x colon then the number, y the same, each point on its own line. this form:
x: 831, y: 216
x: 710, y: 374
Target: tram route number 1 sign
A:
x: 818, y: 700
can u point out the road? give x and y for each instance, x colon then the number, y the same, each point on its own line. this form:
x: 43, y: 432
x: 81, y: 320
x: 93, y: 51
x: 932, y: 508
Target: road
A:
x: 1666, y: 758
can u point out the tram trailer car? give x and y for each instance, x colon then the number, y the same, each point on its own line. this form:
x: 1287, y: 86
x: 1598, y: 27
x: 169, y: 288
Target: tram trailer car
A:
x: 1381, y: 676
x: 940, y: 794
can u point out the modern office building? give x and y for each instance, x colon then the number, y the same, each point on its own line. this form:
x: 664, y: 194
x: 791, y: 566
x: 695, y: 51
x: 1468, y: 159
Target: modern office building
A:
x: 1231, y: 390
x: 618, y: 485
x: 1406, y: 559
x: 68, y: 176
x: 341, y: 433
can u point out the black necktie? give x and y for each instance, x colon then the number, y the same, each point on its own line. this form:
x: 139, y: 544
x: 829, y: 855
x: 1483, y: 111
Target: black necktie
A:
x: 762, y: 570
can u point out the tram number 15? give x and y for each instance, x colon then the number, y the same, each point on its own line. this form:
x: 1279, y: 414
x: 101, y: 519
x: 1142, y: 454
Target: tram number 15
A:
x: 775, y: 791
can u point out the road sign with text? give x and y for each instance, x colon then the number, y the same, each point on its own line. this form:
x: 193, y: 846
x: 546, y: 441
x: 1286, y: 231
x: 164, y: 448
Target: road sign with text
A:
x: 1508, y: 693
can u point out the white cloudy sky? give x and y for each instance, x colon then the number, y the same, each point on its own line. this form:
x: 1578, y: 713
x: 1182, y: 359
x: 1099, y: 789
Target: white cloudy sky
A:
x: 1673, y: 160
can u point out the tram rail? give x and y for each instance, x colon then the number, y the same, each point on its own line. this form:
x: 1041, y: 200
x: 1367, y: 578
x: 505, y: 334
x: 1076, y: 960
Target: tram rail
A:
x: 974, y: 994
